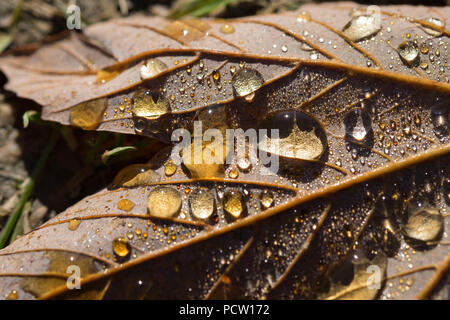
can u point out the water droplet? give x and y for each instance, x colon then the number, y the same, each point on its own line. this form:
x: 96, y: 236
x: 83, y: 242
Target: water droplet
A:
x: 234, y: 203
x: 121, y: 247
x: 151, y: 68
x: 304, y: 16
x: 244, y: 164
x: 125, y: 205
x: 358, y: 125
x: 300, y: 136
x: 216, y: 75
x: 88, y: 115
x: 284, y: 48
x: 164, y: 202
x: 170, y: 168
x: 149, y: 105
x: 408, y: 51
x: 361, y: 27
x: 424, y: 224
x: 267, y: 199
x: 73, y: 224
x: 246, y: 81
x: 12, y: 295
x: 233, y: 174
x: 202, y: 203
x: 439, y: 117
x: 135, y: 175
x: 433, y: 26
x: 227, y: 28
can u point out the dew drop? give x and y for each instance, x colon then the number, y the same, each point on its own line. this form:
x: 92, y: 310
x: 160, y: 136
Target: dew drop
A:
x: 12, y: 295
x: 433, y: 26
x: 424, y: 225
x: 121, y: 247
x: 234, y: 203
x: 170, y: 168
x: 88, y: 115
x: 164, y: 202
x: 149, y: 105
x: 202, y: 203
x: 227, y: 28
x: 358, y: 125
x: 151, y: 68
x: 125, y: 205
x: 135, y: 175
x: 267, y: 199
x: 73, y: 224
x: 361, y: 27
x: 246, y: 81
x: 408, y: 51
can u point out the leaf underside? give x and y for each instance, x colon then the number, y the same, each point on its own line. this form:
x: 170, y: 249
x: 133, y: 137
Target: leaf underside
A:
x: 328, y: 220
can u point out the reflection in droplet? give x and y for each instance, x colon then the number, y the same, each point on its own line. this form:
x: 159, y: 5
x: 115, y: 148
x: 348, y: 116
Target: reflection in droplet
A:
x: 149, y: 105
x: 267, y: 199
x: 202, y: 203
x: 246, y: 81
x: 440, y: 117
x: 152, y: 68
x: 121, y: 247
x: 358, y: 125
x: 88, y: 115
x: 361, y: 27
x: 424, y: 224
x: 73, y: 224
x: 135, y: 175
x: 125, y: 205
x: 300, y: 136
x: 164, y: 202
x: 408, y: 51
x: 234, y: 203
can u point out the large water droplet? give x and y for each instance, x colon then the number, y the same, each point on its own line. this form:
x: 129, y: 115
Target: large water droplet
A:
x: 202, y: 203
x: 361, y: 27
x: 151, y: 68
x: 246, y: 81
x: 125, y: 205
x: 227, y: 28
x: 433, y: 26
x: 424, y: 224
x: 135, y: 175
x: 121, y: 247
x: 267, y: 199
x: 149, y: 105
x: 73, y: 224
x: 164, y: 202
x: 408, y: 51
x: 88, y: 115
x: 358, y: 125
x: 440, y: 117
x: 234, y: 203
x: 300, y: 136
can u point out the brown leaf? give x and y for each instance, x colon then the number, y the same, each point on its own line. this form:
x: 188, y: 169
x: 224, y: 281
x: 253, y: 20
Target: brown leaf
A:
x: 363, y: 161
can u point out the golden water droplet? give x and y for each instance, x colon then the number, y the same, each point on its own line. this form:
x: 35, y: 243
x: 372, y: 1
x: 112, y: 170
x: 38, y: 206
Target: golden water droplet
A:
x: 110, y: 73
x: 216, y: 75
x: 73, y: 224
x: 424, y: 65
x: 300, y: 136
x: 424, y: 225
x: 408, y: 51
x: 121, y: 247
x: 227, y: 28
x: 358, y: 125
x: 266, y: 198
x: 149, y: 105
x: 424, y: 49
x: 246, y: 81
x: 164, y: 202
x: 183, y: 31
x: 88, y: 115
x: 135, y: 175
x: 202, y: 203
x: 234, y: 203
x: 361, y: 27
x: 12, y: 295
x: 151, y: 68
x: 170, y: 168
x: 125, y: 205
x: 233, y: 174
x: 244, y: 164
x: 233, y: 70
x: 304, y: 17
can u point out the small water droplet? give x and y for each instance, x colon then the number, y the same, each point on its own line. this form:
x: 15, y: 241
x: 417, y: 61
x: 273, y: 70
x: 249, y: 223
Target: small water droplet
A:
x: 151, y: 68
x: 266, y: 198
x: 170, y: 168
x: 433, y: 26
x: 73, y: 224
x: 358, y: 125
x: 121, y: 247
x: 234, y: 203
x: 227, y: 28
x: 125, y: 205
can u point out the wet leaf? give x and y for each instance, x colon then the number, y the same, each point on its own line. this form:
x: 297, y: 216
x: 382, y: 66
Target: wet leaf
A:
x: 363, y: 175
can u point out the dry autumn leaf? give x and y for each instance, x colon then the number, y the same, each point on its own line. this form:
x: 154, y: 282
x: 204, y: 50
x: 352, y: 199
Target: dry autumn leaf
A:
x: 363, y: 185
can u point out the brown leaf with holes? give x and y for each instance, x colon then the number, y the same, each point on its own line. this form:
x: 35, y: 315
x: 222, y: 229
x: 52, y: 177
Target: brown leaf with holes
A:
x: 357, y: 209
